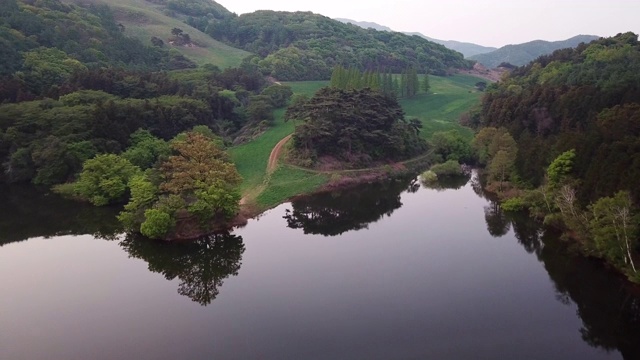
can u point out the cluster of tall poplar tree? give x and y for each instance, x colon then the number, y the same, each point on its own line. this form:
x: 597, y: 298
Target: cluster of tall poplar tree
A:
x: 406, y: 85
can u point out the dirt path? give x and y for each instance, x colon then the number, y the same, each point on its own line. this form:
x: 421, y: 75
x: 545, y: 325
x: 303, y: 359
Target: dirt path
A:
x: 275, y: 154
x: 271, y: 167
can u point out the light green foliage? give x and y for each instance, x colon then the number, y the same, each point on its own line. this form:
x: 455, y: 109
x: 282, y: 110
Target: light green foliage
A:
x: 104, y: 179
x: 496, y: 149
x: 45, y: 67
x: 560, y: 168
x: 197, y: 179
x: 156, y: 224
x: 143, y: 194
x: 449, y: 168
x: 451, y: 145
x: 216, y: 201
x: 614, y: 229
x: 514, y: 204
x: 428, y: 177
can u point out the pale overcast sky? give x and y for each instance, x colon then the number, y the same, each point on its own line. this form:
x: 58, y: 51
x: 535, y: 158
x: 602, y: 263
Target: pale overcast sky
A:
x: 489, y: 23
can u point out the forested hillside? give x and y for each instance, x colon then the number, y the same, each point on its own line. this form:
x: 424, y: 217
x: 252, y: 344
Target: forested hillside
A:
x: 465, y: 48
x: 73, y: 86
x: 587, y: 99
x: 521, y: 54
x: 306, y: 46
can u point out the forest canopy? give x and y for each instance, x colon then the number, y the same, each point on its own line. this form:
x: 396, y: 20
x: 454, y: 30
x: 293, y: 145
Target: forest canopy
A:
x: 585, y: 99
x: 355, y: 126
x: 306, y: 46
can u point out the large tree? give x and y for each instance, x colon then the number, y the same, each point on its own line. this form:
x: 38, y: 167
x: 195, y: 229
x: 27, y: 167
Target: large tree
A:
x: 358, y: 126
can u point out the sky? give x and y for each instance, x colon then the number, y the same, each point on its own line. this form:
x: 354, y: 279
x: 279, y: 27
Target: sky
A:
x: 488, y: 23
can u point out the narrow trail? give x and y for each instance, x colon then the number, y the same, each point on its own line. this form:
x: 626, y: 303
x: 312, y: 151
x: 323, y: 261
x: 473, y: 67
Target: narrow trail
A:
x: 272, y: 164
x: 275, y: 154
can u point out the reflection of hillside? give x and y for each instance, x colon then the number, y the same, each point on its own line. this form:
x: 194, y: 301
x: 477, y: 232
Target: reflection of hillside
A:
x: 201, y: 265
x: 337, y: 212
x: 608, y: 306
x: 26, y: 213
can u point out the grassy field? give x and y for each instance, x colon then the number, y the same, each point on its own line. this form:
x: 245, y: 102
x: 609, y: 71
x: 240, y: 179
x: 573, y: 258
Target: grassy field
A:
x: 143, y: 19
x: 439, y: 111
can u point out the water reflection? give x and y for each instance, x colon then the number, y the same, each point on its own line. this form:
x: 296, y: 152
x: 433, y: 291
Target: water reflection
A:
x: 448, y: 183
x: 608, y: 306
x: 26, y: 213
x: 337, y: 212
x: 201, y: 265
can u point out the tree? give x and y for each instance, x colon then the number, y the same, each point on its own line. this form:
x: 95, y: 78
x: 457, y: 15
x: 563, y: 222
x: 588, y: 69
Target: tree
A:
x: 615, y: 230
x: 105, y: 178
x: 426, y: 85
x: 560, y: 168
x: 356, y: 126
x: 198, y: 184
x: 198, y: 164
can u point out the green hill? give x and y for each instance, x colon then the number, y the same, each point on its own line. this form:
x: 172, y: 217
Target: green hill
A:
x: 585, y: 99
x: 306, y: 46
x: 144, y: 19
x: 522, y: 54
x: 465, y: 48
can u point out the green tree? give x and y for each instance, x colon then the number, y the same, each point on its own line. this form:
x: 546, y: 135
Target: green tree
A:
x: 105, y: 178
x: 426, y: 85
x: 156, y: 224
x: 614, y: 228
x: 560, y: 168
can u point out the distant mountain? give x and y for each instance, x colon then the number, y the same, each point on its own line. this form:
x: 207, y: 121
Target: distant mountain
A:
x: 467, y: 49
x: 365, y: 24
x: 522, y: 54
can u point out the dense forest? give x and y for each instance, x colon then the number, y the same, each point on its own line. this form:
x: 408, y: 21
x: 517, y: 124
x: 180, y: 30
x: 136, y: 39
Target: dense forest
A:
x: 567, y: 128
x: 306, y: 46
x: 585, y: 99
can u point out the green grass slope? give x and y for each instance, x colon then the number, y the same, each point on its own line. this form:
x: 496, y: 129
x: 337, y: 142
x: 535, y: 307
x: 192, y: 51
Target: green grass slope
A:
x: 143, y: 20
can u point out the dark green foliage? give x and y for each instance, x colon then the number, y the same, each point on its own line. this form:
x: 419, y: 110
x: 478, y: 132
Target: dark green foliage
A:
x: 306, y: 46
x: 46, y: 141
x: 585, y: 99
x: 199, y: 266
x: 357, y: 126
x: 279, y: 94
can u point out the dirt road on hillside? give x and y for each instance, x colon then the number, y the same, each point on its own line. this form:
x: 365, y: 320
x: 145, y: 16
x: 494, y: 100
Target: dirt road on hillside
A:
x: 275, y: 154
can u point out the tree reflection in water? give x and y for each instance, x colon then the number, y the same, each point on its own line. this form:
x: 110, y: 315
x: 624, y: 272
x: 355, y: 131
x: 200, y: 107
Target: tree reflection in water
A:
x: 201, y: 265
x: 335, y: 213
x: 608, y: 306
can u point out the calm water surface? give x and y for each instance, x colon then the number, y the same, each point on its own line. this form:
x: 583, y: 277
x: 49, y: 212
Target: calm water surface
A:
x: 391, y: 271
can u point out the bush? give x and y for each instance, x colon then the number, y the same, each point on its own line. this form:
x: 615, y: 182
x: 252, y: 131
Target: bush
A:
x: 157, y: 224
x: 450, y: 168
x: 514, y: 204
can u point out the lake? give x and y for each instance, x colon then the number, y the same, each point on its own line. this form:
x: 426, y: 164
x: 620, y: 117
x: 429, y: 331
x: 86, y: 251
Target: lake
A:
x: 387, y: 271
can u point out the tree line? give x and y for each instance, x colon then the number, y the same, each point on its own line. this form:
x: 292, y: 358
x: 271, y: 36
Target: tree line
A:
x: 407, y: 84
